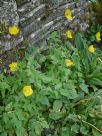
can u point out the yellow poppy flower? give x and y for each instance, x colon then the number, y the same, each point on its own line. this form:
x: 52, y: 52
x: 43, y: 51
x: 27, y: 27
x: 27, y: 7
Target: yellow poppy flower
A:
x: 13, y: 66
x: 13, y: 30
x: 91, y: 49
x: 69, y: 34
x: 27, y: 91
x: 68, y: 14
x: 69, y: 63
x: 98, y: 36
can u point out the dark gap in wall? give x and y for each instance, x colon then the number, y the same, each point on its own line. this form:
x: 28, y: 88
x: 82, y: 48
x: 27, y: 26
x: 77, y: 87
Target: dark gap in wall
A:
x: 21, y: 2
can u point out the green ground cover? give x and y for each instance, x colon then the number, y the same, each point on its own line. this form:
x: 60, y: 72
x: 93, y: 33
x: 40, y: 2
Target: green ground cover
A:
x: 54, y: 91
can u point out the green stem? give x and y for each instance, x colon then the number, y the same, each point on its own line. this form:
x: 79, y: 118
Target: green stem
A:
x: 91, y: 126
x: 82, y: 101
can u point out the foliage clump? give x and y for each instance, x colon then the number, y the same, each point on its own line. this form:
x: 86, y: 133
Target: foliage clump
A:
x: 97, y: 8
x: 47, y: 96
